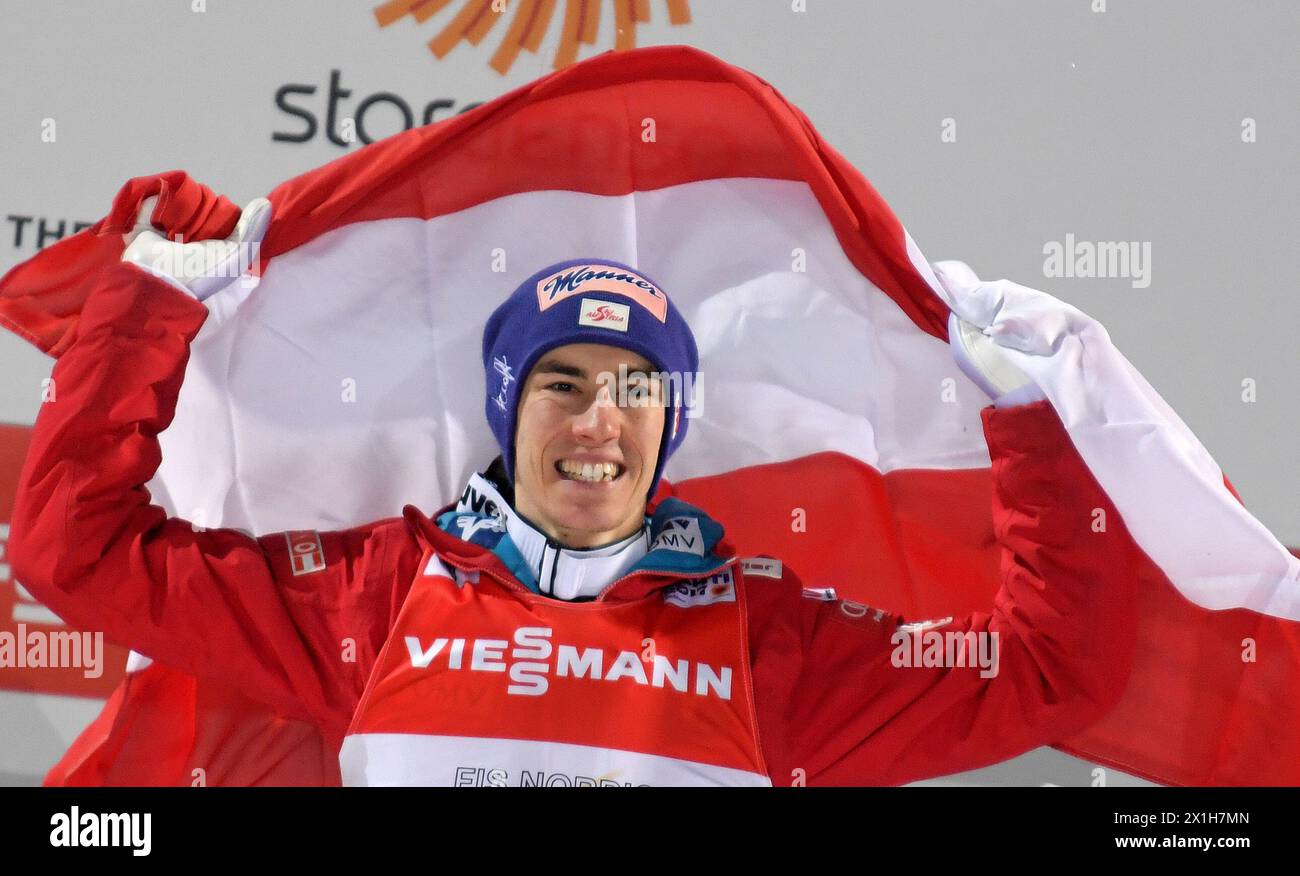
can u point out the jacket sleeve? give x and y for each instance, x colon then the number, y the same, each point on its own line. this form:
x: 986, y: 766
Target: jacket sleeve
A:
x: 295, y: 619
x: 842, y: 697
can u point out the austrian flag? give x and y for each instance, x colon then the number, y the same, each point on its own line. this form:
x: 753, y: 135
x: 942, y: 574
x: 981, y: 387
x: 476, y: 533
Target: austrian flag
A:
x: 832, y: 389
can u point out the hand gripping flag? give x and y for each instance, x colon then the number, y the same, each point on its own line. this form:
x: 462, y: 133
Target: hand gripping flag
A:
x: 832, y: 427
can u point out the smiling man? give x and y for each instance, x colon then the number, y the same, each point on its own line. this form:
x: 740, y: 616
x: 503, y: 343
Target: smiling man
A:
x: 556, y: 625
x: 583, y: 464
x: 583, y: 335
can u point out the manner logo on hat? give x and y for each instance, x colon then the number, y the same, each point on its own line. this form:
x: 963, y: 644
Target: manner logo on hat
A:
x: 601, y: 278
x: 604, y: 314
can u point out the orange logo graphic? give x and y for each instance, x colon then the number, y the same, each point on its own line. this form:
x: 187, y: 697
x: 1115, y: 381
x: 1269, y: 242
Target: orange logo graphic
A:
x: 529, y: 24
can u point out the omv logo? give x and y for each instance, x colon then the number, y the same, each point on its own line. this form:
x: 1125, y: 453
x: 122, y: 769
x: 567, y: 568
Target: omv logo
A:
x: 528, y: 22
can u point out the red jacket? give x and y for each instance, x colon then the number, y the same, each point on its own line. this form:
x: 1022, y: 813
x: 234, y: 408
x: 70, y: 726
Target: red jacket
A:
x: 814, y: 689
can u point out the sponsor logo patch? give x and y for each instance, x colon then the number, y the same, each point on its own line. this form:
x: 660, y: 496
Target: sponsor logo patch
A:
x: 680, y: 534
x: 706, y: 591
x: 527, y: 668
x: 922, y: 626
x: 472, y: 524
x: 587, y: 279
x: 859, y: 610
x: 762, y: 566
x: 305, y: 552
x: 604, y: 314
x: 481, y: 497
x: 822, y: 594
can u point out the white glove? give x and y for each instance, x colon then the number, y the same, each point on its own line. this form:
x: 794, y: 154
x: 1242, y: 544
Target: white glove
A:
x: 203, y: 267
x: 976, y: 354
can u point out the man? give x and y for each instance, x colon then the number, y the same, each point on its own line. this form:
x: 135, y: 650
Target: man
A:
x: 554, y: 627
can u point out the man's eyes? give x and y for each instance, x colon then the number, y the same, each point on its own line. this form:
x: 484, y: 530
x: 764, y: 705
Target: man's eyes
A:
x: 637, y: 392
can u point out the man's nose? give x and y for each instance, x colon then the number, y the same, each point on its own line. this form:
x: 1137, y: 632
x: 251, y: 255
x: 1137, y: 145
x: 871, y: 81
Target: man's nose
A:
x: 600, y: 422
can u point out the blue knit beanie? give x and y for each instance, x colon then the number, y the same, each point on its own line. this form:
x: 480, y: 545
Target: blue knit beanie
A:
x: 585, y: 301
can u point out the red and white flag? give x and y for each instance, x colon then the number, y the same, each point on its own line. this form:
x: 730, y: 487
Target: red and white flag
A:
x: 348, y: 381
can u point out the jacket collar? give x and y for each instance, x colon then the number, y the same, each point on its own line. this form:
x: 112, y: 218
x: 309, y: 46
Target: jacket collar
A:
x: 572, y: 573
x: 477, y: 533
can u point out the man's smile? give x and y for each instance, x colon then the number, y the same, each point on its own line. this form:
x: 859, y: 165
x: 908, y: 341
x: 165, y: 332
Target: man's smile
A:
x: 589, y: 472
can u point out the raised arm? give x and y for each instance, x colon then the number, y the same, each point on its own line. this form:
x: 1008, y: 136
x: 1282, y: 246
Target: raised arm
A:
x: 836, y: 706
x: 294, y: 627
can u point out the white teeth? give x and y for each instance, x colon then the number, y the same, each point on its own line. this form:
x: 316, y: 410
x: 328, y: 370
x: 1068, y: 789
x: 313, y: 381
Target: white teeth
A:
x: 591, y: 472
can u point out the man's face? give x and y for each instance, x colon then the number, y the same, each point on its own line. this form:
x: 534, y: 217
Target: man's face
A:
x: 572, y: 433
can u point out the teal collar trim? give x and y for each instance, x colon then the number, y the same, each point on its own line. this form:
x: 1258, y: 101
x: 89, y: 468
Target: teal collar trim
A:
x: 486, y: 530
x: 682, y: 542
